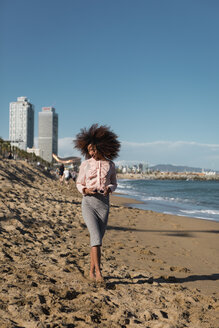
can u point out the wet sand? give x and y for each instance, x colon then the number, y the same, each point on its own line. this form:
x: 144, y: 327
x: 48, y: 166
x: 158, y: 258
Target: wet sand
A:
x: 160, y: 270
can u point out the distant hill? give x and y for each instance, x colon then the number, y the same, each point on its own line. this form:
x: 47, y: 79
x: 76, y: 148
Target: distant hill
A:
x: 174, y: 168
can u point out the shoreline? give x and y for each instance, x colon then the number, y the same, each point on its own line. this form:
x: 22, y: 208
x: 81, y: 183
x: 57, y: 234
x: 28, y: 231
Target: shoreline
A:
x: 122, y: 200
x: 163, y: 199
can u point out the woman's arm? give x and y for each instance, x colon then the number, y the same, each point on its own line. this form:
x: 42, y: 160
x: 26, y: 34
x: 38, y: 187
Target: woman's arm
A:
x: 113, y: 180
x: 81, y: 179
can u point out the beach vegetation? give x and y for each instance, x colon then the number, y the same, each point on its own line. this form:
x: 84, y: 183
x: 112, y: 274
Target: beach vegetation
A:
x: 19, y: 154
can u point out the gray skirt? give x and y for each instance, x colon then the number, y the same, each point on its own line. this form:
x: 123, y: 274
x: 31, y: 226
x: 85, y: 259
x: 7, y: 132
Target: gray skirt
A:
x: 95, y: 211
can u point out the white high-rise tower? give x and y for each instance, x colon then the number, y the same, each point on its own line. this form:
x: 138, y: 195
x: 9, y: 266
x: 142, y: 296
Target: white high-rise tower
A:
x: 21, y: 123
x: 48, y: 133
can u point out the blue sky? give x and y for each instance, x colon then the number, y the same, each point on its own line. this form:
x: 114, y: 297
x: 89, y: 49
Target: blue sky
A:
x: 149, y: 69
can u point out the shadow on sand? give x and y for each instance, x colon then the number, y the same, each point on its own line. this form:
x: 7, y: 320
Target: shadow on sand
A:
x: 139, y: 280
x: 171, y: 233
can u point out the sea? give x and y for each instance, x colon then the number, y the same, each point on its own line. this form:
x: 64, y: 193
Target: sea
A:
x: 195, y: 199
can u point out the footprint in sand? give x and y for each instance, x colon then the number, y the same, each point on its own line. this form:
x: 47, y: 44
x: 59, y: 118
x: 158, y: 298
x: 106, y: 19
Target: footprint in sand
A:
x: 179, y: 269
x: 147, y: 252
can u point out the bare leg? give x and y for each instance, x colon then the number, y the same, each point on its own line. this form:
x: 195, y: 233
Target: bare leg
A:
x: 92, y: 266
x: 95, y: 261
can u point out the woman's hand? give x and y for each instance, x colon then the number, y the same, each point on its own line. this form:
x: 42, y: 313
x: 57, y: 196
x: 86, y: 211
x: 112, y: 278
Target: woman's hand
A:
x: 88, y: 191
x: 107, y: 190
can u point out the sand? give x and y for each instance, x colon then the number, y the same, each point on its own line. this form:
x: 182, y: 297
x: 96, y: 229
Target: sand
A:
x: 160, y: 270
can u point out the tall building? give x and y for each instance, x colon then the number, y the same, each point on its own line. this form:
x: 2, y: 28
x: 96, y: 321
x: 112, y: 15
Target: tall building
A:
x: 48, y: 133
x: 21, y: 123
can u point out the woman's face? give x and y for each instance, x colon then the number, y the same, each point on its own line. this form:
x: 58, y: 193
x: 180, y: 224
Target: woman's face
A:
x: 92, y: 150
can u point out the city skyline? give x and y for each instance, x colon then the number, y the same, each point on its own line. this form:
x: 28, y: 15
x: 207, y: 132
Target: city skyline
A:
x: 148, y: 69
x: 66, y: 145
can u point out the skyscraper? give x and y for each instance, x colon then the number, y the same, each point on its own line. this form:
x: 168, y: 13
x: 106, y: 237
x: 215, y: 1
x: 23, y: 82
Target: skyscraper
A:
x: 48, y: 133
x: 21, y: 123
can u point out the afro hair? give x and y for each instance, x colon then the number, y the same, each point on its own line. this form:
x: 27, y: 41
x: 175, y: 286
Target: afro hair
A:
x: 105, y: 140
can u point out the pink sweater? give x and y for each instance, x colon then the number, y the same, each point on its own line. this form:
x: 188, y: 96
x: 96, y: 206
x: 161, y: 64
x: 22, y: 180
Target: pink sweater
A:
x: 96, y: 175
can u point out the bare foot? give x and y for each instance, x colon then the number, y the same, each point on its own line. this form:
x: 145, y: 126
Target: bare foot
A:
x: 99, y: 277
x: 100, y: 282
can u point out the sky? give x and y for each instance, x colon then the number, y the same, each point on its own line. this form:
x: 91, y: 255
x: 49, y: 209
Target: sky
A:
x: 149, y: 69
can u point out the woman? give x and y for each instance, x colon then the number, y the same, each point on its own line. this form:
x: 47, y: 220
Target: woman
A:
x: 96, y: 180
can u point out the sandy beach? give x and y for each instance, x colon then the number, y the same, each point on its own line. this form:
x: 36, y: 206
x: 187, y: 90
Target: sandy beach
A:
x: 161, y: 271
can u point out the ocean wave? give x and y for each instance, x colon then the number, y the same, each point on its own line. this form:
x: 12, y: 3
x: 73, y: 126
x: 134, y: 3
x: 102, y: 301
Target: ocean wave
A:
x: 134, y: 193
x: 194, y: 216
x: 209, y: 212
x: 142, y: 196
x: 124, y: 187
x: 164, y: 199
x: 159, y: 198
